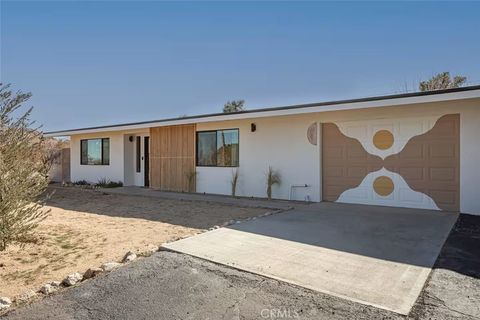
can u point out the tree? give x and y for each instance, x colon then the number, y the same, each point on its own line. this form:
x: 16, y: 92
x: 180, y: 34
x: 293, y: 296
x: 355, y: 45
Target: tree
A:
x: 25, y: 160
x: 442, y: 81
x: 234, y: 106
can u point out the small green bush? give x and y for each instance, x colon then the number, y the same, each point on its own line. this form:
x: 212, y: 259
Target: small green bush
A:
x: 105, y: 183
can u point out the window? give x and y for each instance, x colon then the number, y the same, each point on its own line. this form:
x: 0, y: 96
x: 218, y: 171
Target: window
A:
x: 95, y: 151
x: 217, y: 148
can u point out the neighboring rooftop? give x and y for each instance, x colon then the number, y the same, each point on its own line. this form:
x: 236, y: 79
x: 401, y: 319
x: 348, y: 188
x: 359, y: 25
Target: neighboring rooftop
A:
x: 369, y: 102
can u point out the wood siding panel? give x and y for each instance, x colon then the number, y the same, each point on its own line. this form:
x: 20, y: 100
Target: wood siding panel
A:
x: 172, y: 157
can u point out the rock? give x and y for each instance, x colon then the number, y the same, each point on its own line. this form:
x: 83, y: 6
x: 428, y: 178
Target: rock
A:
x: 92, y: 272
x: 72, y: 279
x: 129, y: 256
x: 149, y: 250
x: 109, y: 266
x: 152, y: 248
x: 55, y: 283
x: 48, y: 289
x: 5, y: 303
x: 27, y: 296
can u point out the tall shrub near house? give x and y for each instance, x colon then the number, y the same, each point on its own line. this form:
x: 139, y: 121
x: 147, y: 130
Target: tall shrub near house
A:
x: 25, y: 159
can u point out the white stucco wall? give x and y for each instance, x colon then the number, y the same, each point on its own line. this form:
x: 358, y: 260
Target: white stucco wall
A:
x: 119, y: 164
x: 470, y: 159
x: 282, y: 143
x: 278, y: 142
x: 91, y: 173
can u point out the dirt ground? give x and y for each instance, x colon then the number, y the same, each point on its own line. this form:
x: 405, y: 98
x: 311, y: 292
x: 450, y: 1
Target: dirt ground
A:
x: 86, y: 228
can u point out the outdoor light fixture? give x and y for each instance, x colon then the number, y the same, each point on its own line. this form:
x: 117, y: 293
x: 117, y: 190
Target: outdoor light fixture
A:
x: 130, y: 138
x: 253, y: 127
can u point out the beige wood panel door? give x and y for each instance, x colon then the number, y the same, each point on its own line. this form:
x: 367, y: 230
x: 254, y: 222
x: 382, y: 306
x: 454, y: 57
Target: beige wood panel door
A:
x: 423, y: 173
x: 172, y: 158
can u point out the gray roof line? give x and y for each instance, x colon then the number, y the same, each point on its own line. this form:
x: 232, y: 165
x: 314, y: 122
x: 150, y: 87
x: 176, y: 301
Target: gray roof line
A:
x: 307, y: 105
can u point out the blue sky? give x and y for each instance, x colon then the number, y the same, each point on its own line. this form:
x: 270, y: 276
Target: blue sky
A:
x: 94, y: 63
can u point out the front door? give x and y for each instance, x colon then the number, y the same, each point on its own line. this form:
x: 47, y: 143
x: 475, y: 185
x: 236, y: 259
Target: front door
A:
x: 141, y: 161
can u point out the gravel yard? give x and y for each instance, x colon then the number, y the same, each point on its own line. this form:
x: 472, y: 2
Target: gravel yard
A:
x: 86, y: 228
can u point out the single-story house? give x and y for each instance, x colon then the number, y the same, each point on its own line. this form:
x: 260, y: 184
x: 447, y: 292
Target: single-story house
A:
x: 418, y: 150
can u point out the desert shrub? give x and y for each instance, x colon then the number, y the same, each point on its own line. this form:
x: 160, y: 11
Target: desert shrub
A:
x: 234, y: 181
x: 273, y: 178
x: 105, y: 183
x: 24, y: 165
x: 81, y: 183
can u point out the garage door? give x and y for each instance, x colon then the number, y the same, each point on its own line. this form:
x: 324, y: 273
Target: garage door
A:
x: 408, y: 162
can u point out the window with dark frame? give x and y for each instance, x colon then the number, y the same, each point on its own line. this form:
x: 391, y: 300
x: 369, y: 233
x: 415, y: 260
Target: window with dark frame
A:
x: 218, y: 148
x: 95, y: 151
x: 138, y: 155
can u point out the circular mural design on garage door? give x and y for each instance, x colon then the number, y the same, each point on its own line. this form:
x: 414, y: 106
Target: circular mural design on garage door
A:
x: 383, y: 186
x: 383, y: 139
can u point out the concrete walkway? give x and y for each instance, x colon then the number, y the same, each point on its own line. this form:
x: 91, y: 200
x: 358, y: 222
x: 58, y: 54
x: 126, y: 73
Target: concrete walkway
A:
x: 237, y: 201
x: 378, y: 256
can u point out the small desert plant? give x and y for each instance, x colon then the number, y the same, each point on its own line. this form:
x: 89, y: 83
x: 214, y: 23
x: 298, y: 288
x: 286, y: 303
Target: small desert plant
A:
x: 191, y: 177
x: 105, y: 183
x: 273, y: 177
x: 24, y: 164
x: 234, y: 182
x: 81, y: 183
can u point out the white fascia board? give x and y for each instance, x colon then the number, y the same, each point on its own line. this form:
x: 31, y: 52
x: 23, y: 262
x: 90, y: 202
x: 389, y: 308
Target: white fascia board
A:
x: 283, y: 112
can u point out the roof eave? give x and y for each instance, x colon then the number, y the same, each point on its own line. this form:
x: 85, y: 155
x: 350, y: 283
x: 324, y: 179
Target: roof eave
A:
x: 372, y: 102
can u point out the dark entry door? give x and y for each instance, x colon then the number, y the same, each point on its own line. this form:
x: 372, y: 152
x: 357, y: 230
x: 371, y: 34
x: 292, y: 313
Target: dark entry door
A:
x: 146, y: 156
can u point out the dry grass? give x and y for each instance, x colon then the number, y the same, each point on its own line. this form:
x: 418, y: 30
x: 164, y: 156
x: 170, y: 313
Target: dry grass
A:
x: 86, y: 228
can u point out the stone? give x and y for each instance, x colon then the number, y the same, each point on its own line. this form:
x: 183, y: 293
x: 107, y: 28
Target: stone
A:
x: 5, y: 303
x: 48, y: 289
x: 27, y: 296
x: 149, y: 250
x: 72, y: 279
x: 109, y: 266
x: 92, y: 272
x: 55, y: 283
x: 129, y: 256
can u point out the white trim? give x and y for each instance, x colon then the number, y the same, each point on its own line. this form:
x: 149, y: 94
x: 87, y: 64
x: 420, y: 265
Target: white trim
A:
x: 387, y: 102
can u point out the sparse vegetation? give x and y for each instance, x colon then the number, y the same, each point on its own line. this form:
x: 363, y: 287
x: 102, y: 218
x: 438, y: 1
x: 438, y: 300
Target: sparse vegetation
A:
x: 273, y: 178
x: 442, y: 81
x: 81, y: 183
x: 234, y: 181
x: 25, y: 160
x: 105, y: 183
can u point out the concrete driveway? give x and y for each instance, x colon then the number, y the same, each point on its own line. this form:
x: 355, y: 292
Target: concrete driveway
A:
x: 374, y: 255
